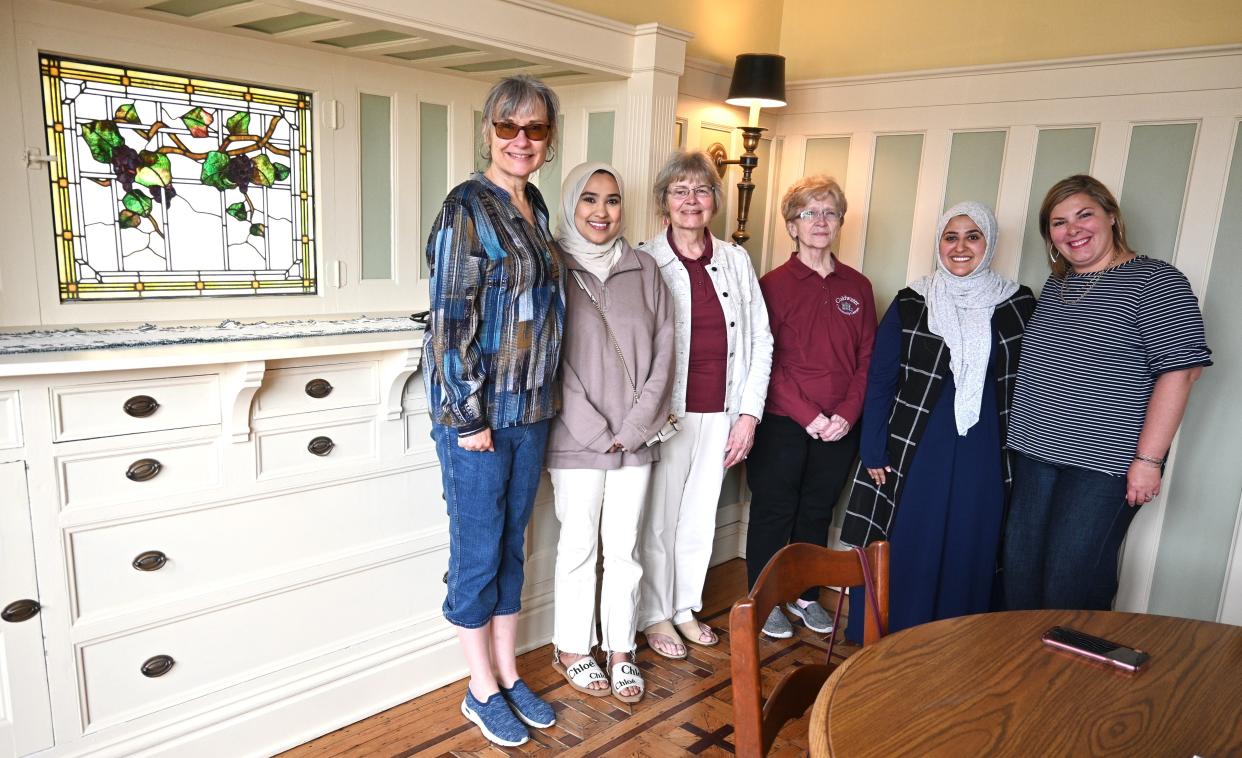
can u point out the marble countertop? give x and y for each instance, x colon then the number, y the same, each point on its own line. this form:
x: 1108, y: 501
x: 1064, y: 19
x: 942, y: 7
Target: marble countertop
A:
x: 61, y: 351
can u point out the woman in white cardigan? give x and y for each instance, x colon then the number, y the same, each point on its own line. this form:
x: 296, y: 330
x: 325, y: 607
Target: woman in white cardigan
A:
x: 724, y: 355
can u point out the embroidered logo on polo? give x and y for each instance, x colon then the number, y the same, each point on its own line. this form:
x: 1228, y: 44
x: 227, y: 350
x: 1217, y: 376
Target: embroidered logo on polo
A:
x: 848, y: 305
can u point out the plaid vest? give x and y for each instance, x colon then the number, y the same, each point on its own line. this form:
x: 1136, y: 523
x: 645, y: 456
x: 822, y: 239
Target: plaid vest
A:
x: 924, y: 364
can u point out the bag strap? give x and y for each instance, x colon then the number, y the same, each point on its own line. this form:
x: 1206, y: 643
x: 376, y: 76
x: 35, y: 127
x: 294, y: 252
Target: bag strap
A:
x: 872, y: 602
x: 608, y: 328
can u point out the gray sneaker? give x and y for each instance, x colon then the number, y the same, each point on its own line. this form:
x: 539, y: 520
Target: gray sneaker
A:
x: 814, y: 616
x: 777, y: 626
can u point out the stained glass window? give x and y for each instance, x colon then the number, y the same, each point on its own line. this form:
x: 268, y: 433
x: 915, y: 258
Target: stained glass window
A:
x: 170, y: 186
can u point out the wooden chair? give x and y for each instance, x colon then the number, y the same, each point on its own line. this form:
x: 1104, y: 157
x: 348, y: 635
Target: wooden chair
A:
x: 790, y: 572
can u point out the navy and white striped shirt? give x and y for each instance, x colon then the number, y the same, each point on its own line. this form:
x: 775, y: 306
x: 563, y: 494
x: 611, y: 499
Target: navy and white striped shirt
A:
x: 1088, y: 365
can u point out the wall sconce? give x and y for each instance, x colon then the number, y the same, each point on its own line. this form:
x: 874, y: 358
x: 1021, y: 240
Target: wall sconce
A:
x: 758, y: 82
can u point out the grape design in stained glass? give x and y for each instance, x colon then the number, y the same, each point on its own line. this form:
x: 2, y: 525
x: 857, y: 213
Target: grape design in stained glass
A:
x: 174, y: 186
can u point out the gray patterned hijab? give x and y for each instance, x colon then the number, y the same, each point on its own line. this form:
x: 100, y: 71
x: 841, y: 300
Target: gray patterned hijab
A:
x: 959, y: 310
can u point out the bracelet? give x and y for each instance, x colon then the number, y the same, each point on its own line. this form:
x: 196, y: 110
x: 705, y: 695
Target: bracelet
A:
x: 1149, y: 459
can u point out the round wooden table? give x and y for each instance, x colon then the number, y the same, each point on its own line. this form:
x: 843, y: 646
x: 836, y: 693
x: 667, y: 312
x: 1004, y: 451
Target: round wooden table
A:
x: 987, y: 685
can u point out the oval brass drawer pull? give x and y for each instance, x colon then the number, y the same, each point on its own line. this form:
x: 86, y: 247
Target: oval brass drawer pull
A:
x: 143, y: 470
x: 141, y: 406
x: 151, y: 560
x: 20, y: 610
x: 318, y: 388
x: 321, y: 446
x: 157, y: 665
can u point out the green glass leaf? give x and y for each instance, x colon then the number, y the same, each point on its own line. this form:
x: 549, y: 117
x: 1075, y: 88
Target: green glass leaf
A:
x: 282, y: 171
x: 137, y: 201
x: 197, y: 120
x: 238, y: 123
x: 102, y: 138
x: 127, y: 113
x: 238, y: 211
x: 156, y: 171
x: 264, y: 171
x: 257, y: 230
x: 214, y: 175
x: 128, y: 219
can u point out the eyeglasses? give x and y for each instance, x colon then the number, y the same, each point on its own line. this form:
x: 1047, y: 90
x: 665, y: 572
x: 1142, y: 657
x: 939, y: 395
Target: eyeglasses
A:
x: 826, y: 214
x: 534, y: 131
x: 701, y: 192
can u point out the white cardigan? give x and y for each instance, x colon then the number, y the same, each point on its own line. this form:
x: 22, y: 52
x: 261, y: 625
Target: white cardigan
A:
x: 746, y: 319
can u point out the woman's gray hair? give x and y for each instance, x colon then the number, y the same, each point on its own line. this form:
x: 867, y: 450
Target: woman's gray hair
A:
x: 688, y: 166
x: 511, y: 96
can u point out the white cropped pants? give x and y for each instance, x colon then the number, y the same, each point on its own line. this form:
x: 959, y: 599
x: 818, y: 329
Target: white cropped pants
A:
x: 597, y: 506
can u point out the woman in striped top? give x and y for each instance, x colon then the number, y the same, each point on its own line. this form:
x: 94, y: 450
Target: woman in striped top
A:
x: 1107, y: 365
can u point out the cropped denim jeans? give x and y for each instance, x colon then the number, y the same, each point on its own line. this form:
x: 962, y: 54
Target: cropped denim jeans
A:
x: 489, y: 497
x: 1062, y: 536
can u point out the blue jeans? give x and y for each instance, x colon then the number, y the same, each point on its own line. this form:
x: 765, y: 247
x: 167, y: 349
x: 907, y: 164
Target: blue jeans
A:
x: 490, y: 496
x: 1062, y: 536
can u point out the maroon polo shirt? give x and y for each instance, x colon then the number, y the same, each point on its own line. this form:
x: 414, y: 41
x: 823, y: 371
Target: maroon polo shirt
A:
x: 823, y: 328
x: 709, y: 338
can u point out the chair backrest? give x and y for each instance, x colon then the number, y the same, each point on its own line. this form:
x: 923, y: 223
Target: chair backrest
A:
x: 790, y: 572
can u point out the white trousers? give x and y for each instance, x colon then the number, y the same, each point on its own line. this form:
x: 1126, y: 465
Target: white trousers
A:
x: 679, y: 527
x: 594, y: 506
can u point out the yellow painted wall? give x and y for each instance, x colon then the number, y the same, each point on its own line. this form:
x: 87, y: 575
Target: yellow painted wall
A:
x: 826, y: 38
x: 721, y: 28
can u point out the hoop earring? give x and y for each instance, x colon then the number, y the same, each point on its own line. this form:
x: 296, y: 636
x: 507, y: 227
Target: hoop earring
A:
x: 1052, y: 256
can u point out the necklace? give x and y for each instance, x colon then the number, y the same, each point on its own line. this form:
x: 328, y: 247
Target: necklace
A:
x: 1095, y: 277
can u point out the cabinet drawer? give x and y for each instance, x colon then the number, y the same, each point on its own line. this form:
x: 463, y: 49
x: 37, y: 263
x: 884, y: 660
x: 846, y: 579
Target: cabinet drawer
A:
x: 10, y: 420
x: 156, y: 560
x: 314, y: 448
x: 86, y: 411
x: 139, y: 473
x: 301, y: 389
x: 236, y: 643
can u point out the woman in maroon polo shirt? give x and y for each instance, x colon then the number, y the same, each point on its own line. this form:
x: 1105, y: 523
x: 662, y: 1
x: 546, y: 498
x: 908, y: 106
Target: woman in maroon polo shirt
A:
x: 822, y: 316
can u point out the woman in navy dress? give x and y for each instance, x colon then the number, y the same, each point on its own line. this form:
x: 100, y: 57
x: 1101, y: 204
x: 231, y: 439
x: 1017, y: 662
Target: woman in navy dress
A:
x: 934, y: 470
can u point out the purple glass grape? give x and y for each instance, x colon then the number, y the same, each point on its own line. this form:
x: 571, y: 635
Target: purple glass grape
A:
x: 125, y: 165
x: 240, y: 171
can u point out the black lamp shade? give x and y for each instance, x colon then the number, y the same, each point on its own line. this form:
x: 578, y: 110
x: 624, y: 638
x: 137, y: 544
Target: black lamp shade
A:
x: 758, y: 79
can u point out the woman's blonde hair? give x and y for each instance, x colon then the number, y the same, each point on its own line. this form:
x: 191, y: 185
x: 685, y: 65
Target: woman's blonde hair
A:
x: 808, y: 188
x: 1079, y: 184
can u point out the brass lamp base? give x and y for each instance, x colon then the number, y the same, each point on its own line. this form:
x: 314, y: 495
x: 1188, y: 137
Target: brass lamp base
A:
x: 745, y: 188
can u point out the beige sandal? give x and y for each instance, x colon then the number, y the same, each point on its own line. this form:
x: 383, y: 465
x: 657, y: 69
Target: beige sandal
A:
x: 665, y: 629
x: 694, y: 630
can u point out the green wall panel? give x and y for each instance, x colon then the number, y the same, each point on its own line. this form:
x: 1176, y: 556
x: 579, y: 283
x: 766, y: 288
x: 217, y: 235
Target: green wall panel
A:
x: 1058, y: 153
x: 1155, y: 185
x: 548, y: 178
x: 375, y: 134
x: 827, y: 155
x: 433, y: 149
x: 975, y: 162
x: 599, y: 136
x: 1204, y: 494
x: 890, y: 218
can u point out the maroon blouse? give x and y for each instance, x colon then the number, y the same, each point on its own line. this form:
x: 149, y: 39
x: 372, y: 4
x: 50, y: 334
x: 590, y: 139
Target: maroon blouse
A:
x: 709, y: 340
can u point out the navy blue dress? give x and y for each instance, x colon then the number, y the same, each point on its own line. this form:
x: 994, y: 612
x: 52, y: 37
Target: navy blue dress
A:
x: 947, y: 528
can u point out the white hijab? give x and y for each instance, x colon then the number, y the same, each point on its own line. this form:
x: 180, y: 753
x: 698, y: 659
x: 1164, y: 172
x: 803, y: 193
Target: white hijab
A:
x: 959, y: 311
x: 598, y: 259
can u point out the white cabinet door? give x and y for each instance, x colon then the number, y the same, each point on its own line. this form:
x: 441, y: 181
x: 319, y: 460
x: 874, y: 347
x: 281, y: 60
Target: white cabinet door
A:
x: 25, y: 711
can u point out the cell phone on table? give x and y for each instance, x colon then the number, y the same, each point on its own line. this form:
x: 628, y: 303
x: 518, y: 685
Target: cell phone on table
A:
x: 1096, y: 648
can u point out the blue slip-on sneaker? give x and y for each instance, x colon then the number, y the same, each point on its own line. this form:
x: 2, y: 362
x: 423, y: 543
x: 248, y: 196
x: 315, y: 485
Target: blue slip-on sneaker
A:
x: 531, y: 709
x: 495, y: 719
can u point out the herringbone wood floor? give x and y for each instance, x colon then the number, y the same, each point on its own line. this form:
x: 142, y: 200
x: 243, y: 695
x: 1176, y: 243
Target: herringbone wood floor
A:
x: 688, y: 709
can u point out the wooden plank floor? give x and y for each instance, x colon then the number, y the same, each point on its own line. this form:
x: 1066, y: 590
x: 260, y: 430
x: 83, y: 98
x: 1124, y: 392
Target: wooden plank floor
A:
x: 688, y: 708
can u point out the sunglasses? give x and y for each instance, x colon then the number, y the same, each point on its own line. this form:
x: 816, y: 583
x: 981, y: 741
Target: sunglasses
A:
x: 508, y: 130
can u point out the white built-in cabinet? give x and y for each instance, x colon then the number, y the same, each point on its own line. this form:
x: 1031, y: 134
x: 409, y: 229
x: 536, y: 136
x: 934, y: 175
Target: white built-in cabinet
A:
x: 232, y: 548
